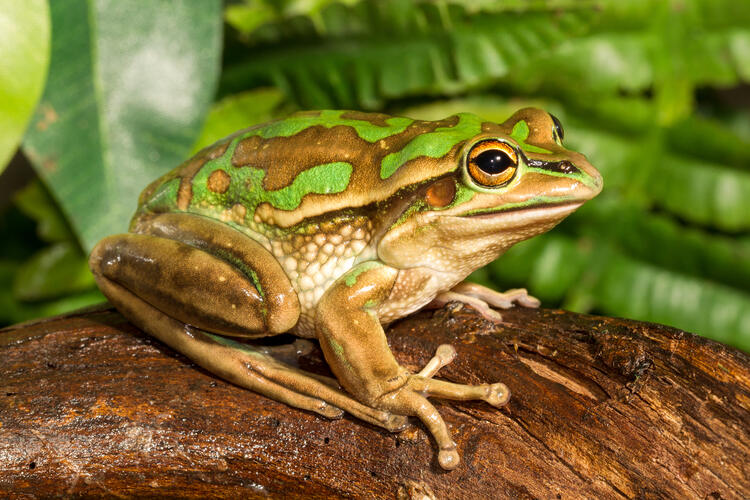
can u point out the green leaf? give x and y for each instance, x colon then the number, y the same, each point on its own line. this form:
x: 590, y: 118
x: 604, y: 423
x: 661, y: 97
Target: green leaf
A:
x: 13, y: 311
x: 129, y: 84
x: 36, y: 203
x: 24, y: 37
x: 248, y: 16
x: 595, y: 276
x: 437, y: 51
x: 58, y: 270
x: 237, y: 112
x: 633, y: 289
x: 659, y: 240
x: 549, y: 265
x: 702, y: 192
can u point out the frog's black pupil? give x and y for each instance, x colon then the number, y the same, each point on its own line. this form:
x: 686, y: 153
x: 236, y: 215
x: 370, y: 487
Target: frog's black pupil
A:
x: 558, y: 127
x: 493, y: 161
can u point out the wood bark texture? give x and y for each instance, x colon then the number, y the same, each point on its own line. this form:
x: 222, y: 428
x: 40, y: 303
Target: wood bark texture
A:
x: 601, y: 408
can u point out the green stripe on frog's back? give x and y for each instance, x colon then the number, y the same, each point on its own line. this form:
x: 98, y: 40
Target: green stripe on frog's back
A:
x: 434, y: 144
x: 319, y: 163
x: 219, y: 185
x: 371, y: 127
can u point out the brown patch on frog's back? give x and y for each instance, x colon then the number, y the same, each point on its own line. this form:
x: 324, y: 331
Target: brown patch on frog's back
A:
x: 187, y: 171
x: 287, y: 157
x: 494, y: 128
x: 307, y: 112
x: 218, y: 181
x: 377, y: 119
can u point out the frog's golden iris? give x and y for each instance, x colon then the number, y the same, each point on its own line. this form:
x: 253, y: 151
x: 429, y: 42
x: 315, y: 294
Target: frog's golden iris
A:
x: 492, y: 163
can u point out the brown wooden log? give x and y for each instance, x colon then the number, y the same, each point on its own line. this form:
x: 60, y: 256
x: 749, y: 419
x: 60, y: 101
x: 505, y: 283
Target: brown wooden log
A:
x: 601, y: 408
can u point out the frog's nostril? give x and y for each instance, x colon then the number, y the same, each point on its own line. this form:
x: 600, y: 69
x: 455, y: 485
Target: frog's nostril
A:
x: 566, y: 167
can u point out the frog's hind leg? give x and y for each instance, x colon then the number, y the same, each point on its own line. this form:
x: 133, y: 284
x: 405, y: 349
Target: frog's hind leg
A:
x: 162, y: 285
x: 245, y: 366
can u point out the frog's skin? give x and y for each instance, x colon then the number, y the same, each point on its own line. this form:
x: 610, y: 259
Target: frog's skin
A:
x: 329, y: 224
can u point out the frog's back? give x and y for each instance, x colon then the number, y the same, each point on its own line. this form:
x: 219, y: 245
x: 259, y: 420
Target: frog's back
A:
x: 311, y: 163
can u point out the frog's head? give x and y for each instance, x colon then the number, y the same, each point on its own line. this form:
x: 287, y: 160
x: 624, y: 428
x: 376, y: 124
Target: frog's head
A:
x: 512, y: 181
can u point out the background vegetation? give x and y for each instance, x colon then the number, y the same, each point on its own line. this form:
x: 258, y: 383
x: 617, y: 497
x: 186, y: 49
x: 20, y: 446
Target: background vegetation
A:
x: 654, y: 92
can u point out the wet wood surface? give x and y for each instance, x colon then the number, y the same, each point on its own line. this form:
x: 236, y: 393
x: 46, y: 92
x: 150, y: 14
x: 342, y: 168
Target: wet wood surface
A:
x: 601, y: 408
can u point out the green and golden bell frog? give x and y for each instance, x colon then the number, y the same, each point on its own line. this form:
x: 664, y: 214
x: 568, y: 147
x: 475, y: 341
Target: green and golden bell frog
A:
x: 329, y: 224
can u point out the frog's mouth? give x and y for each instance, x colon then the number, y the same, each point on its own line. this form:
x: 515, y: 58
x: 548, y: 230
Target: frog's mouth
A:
x: 528, y: 220
x: 529, y: 213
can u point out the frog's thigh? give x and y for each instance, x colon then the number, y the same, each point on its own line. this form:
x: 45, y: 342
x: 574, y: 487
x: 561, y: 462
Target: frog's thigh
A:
x: 186, y: 283
x: 242, y: 367
x: 201, y: 272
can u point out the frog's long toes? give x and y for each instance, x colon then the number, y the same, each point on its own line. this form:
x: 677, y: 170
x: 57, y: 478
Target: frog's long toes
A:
x: 529, y: 301
x: 330, y: 411
x: 446, y: 353
x: 396, y: 423
x: 497, y: 395
x: 449, y: 458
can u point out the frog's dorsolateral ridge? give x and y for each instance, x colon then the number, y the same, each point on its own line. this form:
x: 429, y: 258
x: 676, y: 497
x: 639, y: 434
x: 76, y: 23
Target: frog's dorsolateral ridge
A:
x: 328, y: 224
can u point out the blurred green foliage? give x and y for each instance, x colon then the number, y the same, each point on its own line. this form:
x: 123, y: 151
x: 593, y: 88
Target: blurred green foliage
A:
x: 654, y: 92
x: 24, y: 38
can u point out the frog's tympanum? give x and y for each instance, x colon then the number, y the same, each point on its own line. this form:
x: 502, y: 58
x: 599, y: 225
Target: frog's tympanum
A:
x: 329, y: 224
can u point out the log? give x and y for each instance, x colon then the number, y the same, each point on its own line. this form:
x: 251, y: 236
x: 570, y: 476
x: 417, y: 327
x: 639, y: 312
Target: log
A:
x: 601, y: 408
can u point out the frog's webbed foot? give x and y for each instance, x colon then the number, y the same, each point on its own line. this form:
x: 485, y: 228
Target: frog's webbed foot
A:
x: 483, y: 299
x: 412, y: 397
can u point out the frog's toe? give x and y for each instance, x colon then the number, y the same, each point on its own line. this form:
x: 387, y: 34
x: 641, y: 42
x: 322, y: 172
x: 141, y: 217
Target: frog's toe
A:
x: 490, y: 297
x: 444, y: 355
x: 396, y: 423
x: 497, y: 395
x: 527, y: 300
x: 449, y: 458
x: 329, y: 411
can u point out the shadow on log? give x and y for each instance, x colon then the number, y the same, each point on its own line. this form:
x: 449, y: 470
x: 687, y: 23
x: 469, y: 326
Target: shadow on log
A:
x: 601, y: 408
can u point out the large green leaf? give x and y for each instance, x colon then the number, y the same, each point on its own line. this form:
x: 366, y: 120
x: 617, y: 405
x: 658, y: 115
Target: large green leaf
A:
x: 129, y: 85
x: 586, y: 275
x: 237, y: 112
x: 438, y: 50
x: 24, y: 38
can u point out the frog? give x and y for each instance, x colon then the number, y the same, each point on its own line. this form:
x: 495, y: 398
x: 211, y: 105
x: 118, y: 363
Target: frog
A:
x: 330, y: 225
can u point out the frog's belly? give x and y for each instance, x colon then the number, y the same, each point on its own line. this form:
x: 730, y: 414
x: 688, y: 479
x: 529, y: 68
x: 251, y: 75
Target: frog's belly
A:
x: 314, y: 261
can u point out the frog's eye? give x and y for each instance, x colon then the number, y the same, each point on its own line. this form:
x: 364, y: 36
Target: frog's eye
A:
x: 559, y: 132
x: 492, y: 163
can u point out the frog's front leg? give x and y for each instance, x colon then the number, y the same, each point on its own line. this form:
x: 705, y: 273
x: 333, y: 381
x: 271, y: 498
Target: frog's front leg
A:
x: 355, y: 346
x: 483, y: 299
